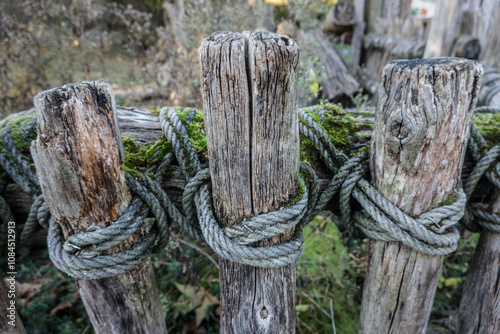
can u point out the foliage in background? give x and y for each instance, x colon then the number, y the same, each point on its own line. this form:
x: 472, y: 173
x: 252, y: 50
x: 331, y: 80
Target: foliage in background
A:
x: 148, y: 50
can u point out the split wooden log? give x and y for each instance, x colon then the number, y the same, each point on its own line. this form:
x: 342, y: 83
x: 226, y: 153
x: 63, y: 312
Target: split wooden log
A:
x: 422, y: 123
x: 340, y: 18
x: 79, y: 158
x: 249, y: 87
x: 10, y: 322
x: 339, y: 80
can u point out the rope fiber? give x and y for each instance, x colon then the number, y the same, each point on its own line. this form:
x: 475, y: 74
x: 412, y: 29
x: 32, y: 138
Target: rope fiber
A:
x: 363, y: 209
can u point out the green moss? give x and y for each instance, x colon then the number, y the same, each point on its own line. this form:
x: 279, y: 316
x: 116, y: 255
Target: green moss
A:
x: 341, y: 128
x: 300, y: 192
x: 141, y: 157
x: 448, y: 201
x: 195, y: 129
x: 489, y: 126
x: 18, y: 126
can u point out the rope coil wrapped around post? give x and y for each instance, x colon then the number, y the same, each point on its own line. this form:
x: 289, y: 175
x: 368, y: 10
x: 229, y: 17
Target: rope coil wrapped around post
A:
x: 434, y: 232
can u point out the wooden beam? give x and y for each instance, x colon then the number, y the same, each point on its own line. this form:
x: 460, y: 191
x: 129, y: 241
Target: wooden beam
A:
x: 249, y: 87
x: 422, y: 123
x: 79, y: 158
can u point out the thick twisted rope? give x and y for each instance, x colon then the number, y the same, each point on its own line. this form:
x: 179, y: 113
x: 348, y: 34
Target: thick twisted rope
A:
x: 488, y: 165
x: 233, y: 242
x: 433, y: 232
x: 82, y: 255
x: 398, y: 47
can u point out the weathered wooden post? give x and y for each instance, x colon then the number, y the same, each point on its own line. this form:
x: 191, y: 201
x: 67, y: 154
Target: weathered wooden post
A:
x: 79, y: 158
x: 249, y: 102
x: 480, y: 304
x: 422, y: 123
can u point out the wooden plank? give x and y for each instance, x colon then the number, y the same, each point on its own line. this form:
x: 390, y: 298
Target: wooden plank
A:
x: 78, y: 137
x: 249, y: 87
x: 422, y: 123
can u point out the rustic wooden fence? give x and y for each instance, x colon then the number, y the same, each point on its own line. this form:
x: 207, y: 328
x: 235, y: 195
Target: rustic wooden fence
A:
x: 248, y: 82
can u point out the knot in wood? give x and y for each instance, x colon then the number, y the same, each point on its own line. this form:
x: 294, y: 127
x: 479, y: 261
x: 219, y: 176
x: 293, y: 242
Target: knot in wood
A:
x: 400, y: 128
x: 264, y: 313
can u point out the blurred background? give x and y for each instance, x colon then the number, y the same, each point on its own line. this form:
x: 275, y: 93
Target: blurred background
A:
x: 148, y: 50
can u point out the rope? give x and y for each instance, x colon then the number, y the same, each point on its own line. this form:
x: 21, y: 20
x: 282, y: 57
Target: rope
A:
x: 490, y: 86
x: 488, y: 165
x: 81, y: 255
x: 433, y: 232
x: 234, y: 242
x: 398, y: 47
x: 84, y: 255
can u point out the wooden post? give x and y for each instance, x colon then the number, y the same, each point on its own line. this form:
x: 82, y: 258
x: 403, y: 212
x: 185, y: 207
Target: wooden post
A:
x: 249, y: 87
x: 489, y: 54
x: 422, y: 123
x: 357, y: 36
x: 480, y: 304
x: 394, y: 20
x: 445, y: 27
x: 79, y: 158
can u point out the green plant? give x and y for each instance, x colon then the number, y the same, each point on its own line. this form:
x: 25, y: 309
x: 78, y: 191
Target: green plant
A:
x: 360, y: 100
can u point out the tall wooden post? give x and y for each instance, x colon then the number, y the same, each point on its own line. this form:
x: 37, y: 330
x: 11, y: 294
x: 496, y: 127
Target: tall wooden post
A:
x: 445, y: 27
x: 422, y: 124
x: 79, y: 158
x: 480, y: 304
x: 249, y: 101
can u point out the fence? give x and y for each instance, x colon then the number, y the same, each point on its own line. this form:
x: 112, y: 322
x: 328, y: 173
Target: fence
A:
x: 255, y: 196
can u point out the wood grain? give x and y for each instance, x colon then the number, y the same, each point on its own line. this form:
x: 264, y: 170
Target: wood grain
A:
x: 79, y: 158
x: 249, y: 101
x: 422, y: 124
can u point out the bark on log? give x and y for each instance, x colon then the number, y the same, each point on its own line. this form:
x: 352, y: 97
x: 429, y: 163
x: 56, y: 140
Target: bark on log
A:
x: 341, y: 17
x: 9, y: 325
x: 79, y: 158
x: 422, y: 124
x: 249, y: 101
x: 339, y: 81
